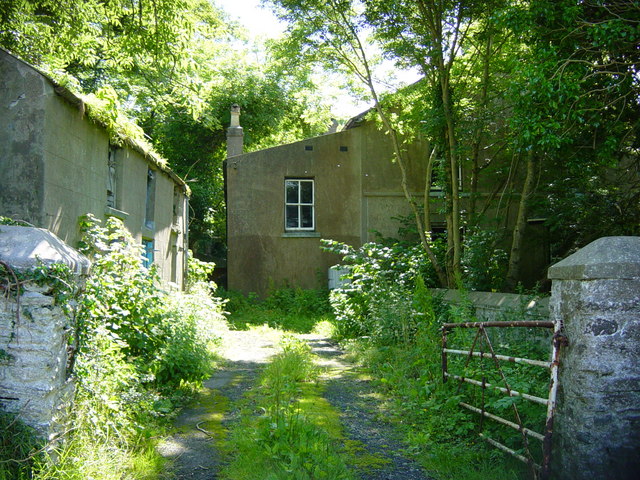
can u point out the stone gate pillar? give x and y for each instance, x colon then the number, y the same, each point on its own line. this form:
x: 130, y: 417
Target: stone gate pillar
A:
x: 596, y: 296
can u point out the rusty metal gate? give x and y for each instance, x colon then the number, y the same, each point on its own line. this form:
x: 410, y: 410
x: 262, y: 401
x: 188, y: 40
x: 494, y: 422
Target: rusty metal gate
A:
x: 477, y: 350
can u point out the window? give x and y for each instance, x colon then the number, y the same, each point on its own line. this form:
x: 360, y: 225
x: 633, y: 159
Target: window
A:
x: 147, y: 254
x: 151, y: 199
x: 299, y: 213
x: 112, y: 179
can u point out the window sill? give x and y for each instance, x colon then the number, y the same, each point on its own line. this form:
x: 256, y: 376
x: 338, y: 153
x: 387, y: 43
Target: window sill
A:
x: 301, y: 235
x: 114, y: 212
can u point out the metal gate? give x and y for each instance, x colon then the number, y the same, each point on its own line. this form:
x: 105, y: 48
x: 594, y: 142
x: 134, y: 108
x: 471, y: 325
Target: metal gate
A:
x: 477, y: 350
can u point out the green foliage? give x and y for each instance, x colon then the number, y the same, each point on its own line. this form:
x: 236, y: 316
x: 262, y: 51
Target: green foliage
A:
x: 121, y: 295
x: 484, y: 263
x: 140, y: 353
x: 380, y: 279
x: 19, y: 448
x: 286, y: 308
x: 198, y: 271
x: 391, y: 322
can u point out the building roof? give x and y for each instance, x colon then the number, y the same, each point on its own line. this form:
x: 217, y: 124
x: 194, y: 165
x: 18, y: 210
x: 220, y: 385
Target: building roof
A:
x: 76, y: 100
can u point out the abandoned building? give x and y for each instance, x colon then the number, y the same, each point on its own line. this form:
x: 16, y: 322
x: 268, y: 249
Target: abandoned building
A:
x: 58, y: 165
x: 341, y: 186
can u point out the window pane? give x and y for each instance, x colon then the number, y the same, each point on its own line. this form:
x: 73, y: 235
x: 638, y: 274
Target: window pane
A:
x: 306, y: 192
x: 307, y: 216
x: 292, y: 191
x: 292, y: 216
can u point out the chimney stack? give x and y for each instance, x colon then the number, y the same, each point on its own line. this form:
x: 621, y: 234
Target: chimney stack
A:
x: 234, y: 133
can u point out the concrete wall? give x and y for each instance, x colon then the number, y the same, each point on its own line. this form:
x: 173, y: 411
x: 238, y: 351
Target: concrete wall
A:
x: 22, y: 105
x: 488, y: 306
x: 260, y: 252
x: 55, y: 169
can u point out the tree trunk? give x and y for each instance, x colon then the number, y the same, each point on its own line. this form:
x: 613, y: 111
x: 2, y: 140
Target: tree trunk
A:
x: 479, y: 131
x: 515, y: 255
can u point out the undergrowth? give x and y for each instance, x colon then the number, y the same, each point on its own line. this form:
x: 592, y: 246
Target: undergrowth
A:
x: 390, y: 323
x: 290, y: 309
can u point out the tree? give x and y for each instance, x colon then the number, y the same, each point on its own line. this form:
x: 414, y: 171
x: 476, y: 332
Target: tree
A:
x: 331, y: 33
x: 578, y: 118
x: 523, y: 92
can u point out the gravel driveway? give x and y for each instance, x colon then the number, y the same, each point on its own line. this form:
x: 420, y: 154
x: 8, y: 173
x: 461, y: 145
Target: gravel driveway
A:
x: 192, y: 449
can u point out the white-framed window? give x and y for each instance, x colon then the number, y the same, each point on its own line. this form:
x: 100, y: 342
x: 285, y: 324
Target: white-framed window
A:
x: 299, y: 204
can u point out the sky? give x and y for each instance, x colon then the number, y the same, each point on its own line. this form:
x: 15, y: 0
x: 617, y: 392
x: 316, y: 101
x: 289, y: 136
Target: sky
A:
x: 261, y: 22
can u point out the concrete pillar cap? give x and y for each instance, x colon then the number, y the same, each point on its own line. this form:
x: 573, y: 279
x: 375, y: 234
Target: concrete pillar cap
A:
x: 22, y: 247
x: 605, y: 258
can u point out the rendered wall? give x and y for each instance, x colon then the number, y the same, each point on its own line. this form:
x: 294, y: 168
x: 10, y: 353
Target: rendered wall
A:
x: 260, y: 252
x: 22, y: 106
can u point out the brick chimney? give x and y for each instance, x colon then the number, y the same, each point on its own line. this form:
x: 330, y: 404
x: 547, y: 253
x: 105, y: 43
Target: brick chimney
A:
x: 234, y: 133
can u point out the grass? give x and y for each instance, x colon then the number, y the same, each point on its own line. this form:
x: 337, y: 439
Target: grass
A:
x: 288, y: 309
x: 439, y: 434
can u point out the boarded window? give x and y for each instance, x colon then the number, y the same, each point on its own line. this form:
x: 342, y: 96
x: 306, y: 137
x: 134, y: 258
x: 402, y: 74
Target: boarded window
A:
x: 112, y: 180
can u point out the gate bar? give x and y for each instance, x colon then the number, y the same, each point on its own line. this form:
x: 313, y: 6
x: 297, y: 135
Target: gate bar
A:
x: 515, y: 323
x: 537, y: 363
x: 515, y: 426
x: 511, y: 393
x: 504, y: 448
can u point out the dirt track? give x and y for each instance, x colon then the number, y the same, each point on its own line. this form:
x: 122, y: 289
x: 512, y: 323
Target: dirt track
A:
x: 192, y: 449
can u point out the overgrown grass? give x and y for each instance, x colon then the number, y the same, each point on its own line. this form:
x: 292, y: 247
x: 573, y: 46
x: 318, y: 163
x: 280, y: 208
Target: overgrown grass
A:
x: 19, y: 448
x: 288, y: 430
x: 290, y: 309
x: 403, y: 354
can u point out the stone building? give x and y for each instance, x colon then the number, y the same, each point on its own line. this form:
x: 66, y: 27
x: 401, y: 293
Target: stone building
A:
x: 342, y: 186
x: 57, y: 165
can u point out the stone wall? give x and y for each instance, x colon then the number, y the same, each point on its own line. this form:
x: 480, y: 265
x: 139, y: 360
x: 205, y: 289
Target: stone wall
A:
x: 34, y: 330
x: 33, y: 368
